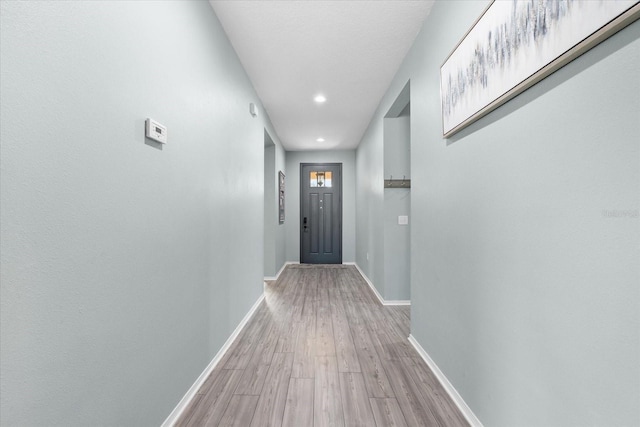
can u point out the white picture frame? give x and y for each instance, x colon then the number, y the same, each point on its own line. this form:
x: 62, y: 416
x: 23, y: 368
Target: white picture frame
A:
x: 516, y: 43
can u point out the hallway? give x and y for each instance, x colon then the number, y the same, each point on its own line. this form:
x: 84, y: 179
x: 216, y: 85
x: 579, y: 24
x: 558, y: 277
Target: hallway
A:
x: 321, y: 351
x: 134, y: 263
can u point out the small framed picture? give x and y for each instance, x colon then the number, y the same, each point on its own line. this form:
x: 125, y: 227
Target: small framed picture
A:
x: 281, y: 197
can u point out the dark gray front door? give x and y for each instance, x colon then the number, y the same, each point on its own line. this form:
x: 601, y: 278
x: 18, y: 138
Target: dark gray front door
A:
x: 321, y: 213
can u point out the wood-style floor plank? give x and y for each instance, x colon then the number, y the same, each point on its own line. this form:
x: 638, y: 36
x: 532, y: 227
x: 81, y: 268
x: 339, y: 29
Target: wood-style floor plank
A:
x: 242, y: 348
x: 327, y: 402
x: 274, y: 394
x: 213, y: 403
x: 325, y: 342
x: 433, y: 392
x: 288, y: 336
x: 357, y: 408
x: 255, y: 373
x: 305, y: 351
x: 239, y: 412
x: 345, y: 348
x: 321, y: 350
x: 375, y: 378
x: 298, y: 410
x: 387, y: 413
x: 414, y: 409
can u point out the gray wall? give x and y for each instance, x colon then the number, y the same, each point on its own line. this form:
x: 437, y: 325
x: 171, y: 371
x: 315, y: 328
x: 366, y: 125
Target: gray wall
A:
x: 397, y: 201
x: 292, y: 198
x: 397, y: 146
x: 397, y: 241
x: 270, y: 207
x: 524, y: 278
x: 274, y: 232
x: 370, y: 204
x: 281, y: 229
x: 124, y: 265
x: 383, y: 246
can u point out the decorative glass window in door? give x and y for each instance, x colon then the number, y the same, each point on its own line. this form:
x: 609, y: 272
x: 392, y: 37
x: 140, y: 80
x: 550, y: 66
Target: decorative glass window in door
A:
x: 320, y: 179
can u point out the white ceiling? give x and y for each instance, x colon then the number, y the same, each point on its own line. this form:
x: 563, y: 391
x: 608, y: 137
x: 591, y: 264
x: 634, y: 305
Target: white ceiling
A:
x: 347, y: 50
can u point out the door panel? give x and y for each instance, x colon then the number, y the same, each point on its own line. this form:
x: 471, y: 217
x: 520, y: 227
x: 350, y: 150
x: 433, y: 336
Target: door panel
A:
x: 328, y: 236
x: 314, y: 223
x: 321, y: 213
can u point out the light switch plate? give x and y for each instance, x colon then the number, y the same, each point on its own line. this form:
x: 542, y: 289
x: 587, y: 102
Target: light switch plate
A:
x: 403, y: 220
x: 156, y: 131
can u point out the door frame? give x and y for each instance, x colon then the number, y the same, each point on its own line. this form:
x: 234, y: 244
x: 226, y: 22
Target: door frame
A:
x: 301, y: 211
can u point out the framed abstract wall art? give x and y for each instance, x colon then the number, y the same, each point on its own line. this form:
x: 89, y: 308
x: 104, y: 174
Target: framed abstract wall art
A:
x: 515, y: 44
x: 281, y: 197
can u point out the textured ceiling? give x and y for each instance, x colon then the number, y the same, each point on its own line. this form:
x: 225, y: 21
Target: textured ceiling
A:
x: 347, y: 50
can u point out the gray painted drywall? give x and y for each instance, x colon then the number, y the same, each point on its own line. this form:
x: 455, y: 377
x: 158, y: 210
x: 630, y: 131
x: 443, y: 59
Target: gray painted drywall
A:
x: 397, y: 239
x: 292, y: 199
x: 274, y: 242
x: 270, y: 207
x: 397, y: 150
x: 281, y: 229
x: 383, y: 246
x: 125, y: 266
x: 397, y: 201
x: 370, y: 204
x: 525, y: 236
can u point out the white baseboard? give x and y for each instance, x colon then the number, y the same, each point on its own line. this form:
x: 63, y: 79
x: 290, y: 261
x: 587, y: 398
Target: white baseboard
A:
x: 397, y: 302
x: 366, y: 279
x: 375, y: 291
x: 449, y: 388
x: 184, y: 403
x: 273, y: 278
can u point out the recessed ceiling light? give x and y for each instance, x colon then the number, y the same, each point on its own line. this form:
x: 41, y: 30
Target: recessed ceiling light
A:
x: 320, y: 99
x: 320, y: 139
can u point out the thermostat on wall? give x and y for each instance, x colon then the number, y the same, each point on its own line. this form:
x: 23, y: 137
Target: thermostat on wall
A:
x: 155, y: 131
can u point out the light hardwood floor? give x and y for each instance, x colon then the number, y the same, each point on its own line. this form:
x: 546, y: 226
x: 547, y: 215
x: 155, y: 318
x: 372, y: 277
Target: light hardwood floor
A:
x: 322, y: 351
